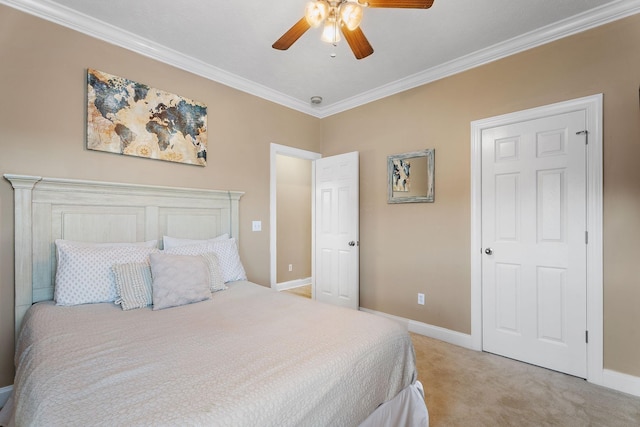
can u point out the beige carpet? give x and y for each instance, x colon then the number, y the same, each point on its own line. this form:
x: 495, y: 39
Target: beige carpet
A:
x: 470, y: 388
x: 303, y: 291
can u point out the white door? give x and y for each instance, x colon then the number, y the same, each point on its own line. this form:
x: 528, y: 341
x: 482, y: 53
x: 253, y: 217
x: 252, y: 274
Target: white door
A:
x: 534, y: 242
x: 337, y: 252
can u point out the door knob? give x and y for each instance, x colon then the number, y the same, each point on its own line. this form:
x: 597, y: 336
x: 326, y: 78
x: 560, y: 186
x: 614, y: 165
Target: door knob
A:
x: 352, y: 243
x: 488, y: 251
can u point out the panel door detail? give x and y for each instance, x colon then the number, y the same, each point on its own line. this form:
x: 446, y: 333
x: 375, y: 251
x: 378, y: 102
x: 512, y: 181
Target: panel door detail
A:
x: 336, y: 230
x: 534, y: 222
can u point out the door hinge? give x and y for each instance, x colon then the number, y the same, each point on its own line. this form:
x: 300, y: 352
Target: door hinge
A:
x: 586, y: 133
x: 586, y: 337
x: 586, y: 237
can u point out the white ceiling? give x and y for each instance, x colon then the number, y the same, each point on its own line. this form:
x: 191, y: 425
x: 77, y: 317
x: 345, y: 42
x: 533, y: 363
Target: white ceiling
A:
x: 230, y: 41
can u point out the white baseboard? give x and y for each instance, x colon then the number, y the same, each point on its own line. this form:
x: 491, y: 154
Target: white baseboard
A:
x: 293, y: 284
x: 442, y: 334
x: 611, y: 379
x: 622, y: 382
x: 5, y: 392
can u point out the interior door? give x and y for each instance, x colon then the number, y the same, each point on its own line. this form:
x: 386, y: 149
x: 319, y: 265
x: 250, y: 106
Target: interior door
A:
x: 337, y: 251
x: 534, y: 242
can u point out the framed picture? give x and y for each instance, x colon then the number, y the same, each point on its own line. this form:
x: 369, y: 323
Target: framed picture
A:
x: 410, y: 177
x: 131, y: 118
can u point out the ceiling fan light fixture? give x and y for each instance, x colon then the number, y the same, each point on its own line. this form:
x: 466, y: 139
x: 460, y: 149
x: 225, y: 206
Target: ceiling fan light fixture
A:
x: 316, y: 12
x: 331, y: 32
x: 342, y: 16
x: 351, y: 15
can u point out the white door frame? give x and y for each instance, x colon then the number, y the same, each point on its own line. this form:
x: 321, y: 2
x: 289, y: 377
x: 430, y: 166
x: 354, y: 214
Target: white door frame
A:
x: 284, y: 150
x: 593, y: 107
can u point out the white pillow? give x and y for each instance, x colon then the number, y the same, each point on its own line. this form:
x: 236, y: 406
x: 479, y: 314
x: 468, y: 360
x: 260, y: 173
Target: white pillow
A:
x: 84, y: 274
x: 75, y: 243
x: 178, y: 280
x: 230, y: 264
x: 174, y: 242
x: 227, y: 252
x: 133, y: 285
x: 148, y: 243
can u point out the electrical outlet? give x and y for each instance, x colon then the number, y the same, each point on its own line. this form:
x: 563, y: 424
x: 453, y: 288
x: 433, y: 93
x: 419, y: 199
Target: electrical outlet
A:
x: 421, y: 299
x: 256, y: 225
x: 290, y: 267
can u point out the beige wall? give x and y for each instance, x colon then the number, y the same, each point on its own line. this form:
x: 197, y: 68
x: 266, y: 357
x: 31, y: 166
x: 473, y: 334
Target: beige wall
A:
x: 42, y: 132
x: 42, y: 128
x: 435, y: 238
x: 293, y: 218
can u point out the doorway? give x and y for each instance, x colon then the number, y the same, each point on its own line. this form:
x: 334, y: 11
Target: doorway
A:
x: 283, y: 266
x: 590, y: 108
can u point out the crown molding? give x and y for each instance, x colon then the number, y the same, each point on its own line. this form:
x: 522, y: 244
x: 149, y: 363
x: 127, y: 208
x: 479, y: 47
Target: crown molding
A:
x: 92, y: 27
x: 85, y: 24
x: 570, y: 26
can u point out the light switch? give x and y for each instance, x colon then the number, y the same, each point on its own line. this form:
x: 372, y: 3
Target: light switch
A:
x: 256, y: 226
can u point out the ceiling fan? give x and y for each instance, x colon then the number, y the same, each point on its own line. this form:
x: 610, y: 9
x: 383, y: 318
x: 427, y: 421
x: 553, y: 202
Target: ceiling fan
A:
x: 342, y: 16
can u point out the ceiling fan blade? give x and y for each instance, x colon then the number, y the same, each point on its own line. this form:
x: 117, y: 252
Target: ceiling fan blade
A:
x: 357, y: 42
x: 293, y: 34
x: 408, y: 4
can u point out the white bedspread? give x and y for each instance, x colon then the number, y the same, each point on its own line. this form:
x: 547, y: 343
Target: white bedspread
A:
x: 248, y: 357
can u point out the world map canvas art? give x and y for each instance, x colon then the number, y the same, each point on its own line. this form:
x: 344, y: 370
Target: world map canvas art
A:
x: 134, y: 119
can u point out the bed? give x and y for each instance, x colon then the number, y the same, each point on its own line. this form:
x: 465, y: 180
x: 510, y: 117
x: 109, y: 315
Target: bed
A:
x: 238, y: 354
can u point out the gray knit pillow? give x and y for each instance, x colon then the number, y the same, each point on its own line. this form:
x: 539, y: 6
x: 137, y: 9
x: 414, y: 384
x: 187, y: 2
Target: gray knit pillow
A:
x: 179, y: 280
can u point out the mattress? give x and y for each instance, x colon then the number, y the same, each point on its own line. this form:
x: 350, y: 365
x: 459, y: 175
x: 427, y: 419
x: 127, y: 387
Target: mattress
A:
x: 249, y: 356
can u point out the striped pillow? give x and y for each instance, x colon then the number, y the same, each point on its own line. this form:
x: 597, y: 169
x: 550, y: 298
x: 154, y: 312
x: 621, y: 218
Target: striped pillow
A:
x: 133, y: 284
x: 216, y: 278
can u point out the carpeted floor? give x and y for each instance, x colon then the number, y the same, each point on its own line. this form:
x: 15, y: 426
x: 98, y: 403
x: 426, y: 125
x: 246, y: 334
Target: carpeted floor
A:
x: 469, y: 388
x: 304, y: 291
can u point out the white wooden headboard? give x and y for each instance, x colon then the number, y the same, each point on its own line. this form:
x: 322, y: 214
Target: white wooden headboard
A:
x: 47, y: 209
